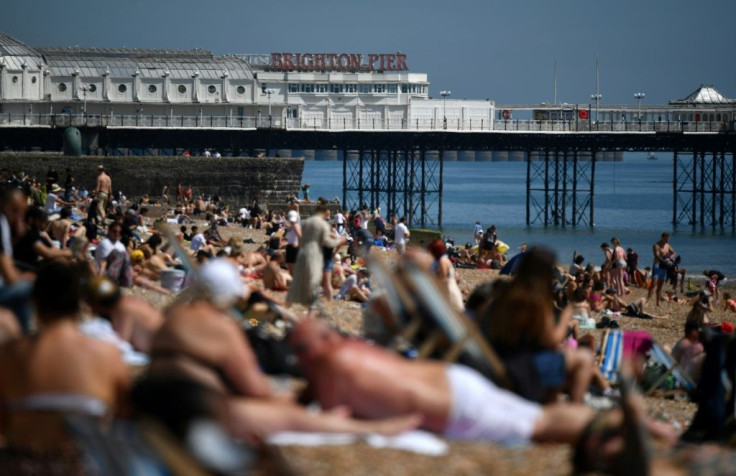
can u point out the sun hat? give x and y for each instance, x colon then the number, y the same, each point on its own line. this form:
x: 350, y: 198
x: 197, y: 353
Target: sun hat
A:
x: 136, y: 255
x: 55, y: 188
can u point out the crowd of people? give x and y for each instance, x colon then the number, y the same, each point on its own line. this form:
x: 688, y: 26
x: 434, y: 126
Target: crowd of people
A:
x: 76, y: 343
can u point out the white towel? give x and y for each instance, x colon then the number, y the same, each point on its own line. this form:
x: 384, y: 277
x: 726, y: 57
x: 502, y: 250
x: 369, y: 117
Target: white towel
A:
x: 416, y: 441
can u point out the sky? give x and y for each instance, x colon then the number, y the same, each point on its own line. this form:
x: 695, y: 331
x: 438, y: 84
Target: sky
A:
x: 478, y: 49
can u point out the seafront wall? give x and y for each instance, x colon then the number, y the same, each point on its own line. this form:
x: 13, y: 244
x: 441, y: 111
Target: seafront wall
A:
x: 237, y: 180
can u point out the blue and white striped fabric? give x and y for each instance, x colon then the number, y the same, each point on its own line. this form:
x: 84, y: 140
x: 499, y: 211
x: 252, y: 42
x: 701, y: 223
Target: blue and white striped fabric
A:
x: 661, y: 356
x: 613, y: 351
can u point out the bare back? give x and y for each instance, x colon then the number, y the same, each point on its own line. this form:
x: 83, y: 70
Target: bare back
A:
x: 376, y: 384
x: 136, y: 320
x: 104, y: 184
x: 60, y: 360
x: 201, y: 342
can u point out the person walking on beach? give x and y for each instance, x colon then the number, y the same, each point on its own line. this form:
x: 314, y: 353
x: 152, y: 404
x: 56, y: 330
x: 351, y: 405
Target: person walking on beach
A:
x: 103, y: 190
x: 310, y: 262
x: 401, y: 235
x: 664, y: 256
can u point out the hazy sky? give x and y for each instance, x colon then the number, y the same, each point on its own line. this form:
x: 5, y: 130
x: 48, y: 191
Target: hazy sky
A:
x: 501, y: 50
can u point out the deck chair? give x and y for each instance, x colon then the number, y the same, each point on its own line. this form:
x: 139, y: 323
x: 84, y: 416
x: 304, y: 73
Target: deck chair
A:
x: 664, y: 358
x: 420, y: 314
x: 617, y: 344
x: 611, y: 355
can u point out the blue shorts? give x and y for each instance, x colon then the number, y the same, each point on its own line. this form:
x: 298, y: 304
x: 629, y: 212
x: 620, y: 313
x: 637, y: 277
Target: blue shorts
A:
x: 550, y: 367
x: 329, y: 263
x: 659, y: 272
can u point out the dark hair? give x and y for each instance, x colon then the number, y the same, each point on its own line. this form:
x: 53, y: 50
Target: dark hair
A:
x: 691, y: 325
x: 65, y: 212
x: 57, y: 291
x: 155, y: 241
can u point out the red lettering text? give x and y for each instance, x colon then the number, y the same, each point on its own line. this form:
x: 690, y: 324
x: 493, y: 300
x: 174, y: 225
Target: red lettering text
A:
x: 371, y: 61
x: 401, y: 62
x: 276, y: 60
x: 288, y: 63
x: 331, y: 59
x: 319, y: 62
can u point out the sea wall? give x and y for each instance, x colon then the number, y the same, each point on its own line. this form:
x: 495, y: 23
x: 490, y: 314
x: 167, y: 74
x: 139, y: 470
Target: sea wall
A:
x: 237, y: 180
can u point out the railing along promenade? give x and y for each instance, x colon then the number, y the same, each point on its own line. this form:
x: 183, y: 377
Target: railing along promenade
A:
x: 338, y: 124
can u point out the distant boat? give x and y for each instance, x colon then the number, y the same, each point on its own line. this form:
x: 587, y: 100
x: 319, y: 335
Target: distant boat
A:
x: 651, y: 156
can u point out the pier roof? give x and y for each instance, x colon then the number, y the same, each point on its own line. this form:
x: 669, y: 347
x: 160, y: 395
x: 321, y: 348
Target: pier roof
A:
x: 146, y: 63
x: 16, y: 55
x: 705, y: 95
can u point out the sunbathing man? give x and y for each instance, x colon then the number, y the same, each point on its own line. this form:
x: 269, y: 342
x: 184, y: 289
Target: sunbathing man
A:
x: 454, y: 400
x: 202, y: 343
x: 275, y: 278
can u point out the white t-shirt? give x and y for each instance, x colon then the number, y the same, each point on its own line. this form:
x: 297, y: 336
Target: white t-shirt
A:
x: 104, y: 249
x: 349, y: 283
x: 50, y: 206
x: 400, y: 234
x: 197, y: 242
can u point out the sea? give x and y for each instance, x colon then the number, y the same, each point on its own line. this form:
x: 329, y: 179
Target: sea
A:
x: 633, y: 202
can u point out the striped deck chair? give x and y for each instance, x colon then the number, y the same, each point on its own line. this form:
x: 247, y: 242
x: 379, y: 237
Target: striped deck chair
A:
x: 618, y: 344
x: 673, y: 368
x: 612, y: 352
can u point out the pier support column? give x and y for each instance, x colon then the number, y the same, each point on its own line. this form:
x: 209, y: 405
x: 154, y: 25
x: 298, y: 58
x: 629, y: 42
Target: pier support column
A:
x: 404, y: 182
x: 560, y: 189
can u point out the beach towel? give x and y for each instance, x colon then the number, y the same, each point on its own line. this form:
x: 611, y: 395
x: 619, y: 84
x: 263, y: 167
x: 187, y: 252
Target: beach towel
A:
x: 416, y: 441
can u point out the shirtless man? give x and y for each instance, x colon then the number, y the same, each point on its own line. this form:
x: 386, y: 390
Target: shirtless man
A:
x: 663, y: 254
x: 56, y: 371
x: 454, y: 400
x: 134, y: 319
x: 103, y: 190
x: 200, y: 342
x: 275, y: 278
x: 59, y: 229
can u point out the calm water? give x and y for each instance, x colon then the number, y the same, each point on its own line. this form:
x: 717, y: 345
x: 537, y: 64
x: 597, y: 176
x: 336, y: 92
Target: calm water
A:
x: 633, y: 201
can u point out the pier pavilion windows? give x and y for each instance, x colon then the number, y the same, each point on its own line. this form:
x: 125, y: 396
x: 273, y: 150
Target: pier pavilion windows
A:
x: 33, y: 79
x: 92, y: 88
x: 379, y: 88
x: 61, y: 87
x: 366, y: 88
x: 351, y: 88
x: 293, y: 87
x: 122, y: 89
x: 152, y: 88
x: 320, y: 88
x: 15, y: 80
x: 211, y: 89
x: 182, y: 89
x: 306, y: 88
x: 392, y: 88
x: 336, y: 88
x: 241, y: 90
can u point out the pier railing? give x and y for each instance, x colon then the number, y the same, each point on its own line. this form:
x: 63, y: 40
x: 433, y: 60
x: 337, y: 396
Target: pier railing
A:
x: 368, y: 124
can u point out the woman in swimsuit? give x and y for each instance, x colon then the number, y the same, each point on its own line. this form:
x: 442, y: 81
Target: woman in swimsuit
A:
x: 58, y: 371
x: 618, y: 267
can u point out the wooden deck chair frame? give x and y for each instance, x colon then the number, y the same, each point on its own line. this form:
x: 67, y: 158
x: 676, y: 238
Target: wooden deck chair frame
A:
x: 416, y: 300
x: 673, y: 368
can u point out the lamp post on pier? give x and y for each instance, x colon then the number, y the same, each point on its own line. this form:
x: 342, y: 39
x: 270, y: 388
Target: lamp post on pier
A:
x: 639, y: 97
x: 444, y: 95
x: 597, y: 98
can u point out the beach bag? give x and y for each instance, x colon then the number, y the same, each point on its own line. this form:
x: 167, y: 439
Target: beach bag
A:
x: 274, y: 355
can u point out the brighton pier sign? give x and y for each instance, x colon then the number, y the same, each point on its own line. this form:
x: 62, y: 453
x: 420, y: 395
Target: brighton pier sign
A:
x: 338, y: 62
